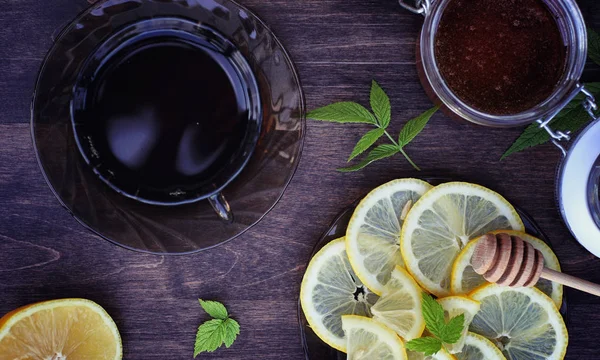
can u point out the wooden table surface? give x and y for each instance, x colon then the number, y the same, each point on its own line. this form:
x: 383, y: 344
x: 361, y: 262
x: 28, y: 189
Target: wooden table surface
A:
x: 338, y: 47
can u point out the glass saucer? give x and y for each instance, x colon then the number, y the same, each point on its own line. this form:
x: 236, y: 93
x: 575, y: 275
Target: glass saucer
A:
x: 315, y: 348
x: 174, y: 229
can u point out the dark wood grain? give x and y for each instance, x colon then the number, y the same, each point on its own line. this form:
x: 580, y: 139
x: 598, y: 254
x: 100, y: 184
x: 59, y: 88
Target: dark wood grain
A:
x: 338, y: 46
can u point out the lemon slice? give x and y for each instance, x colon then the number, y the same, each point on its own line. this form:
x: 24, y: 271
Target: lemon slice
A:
x: 465, y: 279
x: 371, y: 340
x: 479, y: 348
x: 523, y: 323
x: 74, y: 329
x: 454, y: 306
x: 373, y: 234
x: 442, y: 222
x: 329, y: 290
x: 440, y: 355
x: 399, y: 306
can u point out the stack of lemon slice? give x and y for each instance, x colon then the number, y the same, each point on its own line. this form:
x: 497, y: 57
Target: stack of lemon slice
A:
x: 362, y: 294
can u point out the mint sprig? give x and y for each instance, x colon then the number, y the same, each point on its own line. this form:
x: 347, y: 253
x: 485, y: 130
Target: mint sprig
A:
x: 212, y: 334
x: 351, y: 112
x: 443, y: 332
x: 572, y: 118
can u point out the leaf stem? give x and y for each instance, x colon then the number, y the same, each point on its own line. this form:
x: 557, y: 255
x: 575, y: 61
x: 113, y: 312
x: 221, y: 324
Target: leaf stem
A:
x: 408, y: 158
x: 392, y: 139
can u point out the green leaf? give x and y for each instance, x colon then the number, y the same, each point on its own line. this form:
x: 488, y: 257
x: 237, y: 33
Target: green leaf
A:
x: 453, y: 329
x: 366, y: 141
x: 593, y: 45
x: 343, y: 112
x: 594, y: 87
x: 380, y: 152
x: 427, y: 345
x: 380, y: 103
x: 571, y: 118
x: 214, y: 309
x: 531, y: 137
x: 216, y: 332
x: 232, y: 330
x: 415, y: 126
x: 433, y: 313
x: 210, y: 336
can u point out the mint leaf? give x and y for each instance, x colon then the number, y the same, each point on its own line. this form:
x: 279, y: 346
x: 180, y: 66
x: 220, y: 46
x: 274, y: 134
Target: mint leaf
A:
x: 453, y: 329
x: 216, y: 332
x: 214, y: 309
x: 593, y: 45
x: 232, y: 330
x: 380, y: 152
x: 572, y: 118
x: 415, y: 126
x: 366, y: 141
x: 433, y: 313
x: 380, y: 103
x: 210, y: 336
x: 530, y: 137
x: 427, y: 345
x: 343, y: 112
x: 443, y: 332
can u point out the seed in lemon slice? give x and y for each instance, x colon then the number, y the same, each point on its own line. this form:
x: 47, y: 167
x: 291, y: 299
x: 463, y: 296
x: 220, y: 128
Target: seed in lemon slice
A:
x: 440, y: 355
x: 373, y: 234
x: 523, y: 323
x: 399, y: 306
x: 73, y: 329
x: 479, y: 348
x: 368, y: 339
x: 329, y: 290
x: 465, y: 279
x: 454, y: 306
x: 442, y: 222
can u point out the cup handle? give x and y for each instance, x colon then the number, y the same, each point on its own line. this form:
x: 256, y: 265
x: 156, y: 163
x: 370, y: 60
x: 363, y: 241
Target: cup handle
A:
x: 416, y: 6
x: 221, y: 206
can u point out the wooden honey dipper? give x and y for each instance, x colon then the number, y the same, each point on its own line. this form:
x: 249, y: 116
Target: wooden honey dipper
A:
x: 511, y: 261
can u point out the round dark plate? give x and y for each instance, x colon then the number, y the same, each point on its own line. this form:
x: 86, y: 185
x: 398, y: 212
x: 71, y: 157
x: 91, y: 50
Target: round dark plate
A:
x: 315, y: 348
x: 176, y: 229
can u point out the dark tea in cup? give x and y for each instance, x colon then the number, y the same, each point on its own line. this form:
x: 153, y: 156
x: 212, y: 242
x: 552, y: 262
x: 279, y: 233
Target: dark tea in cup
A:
x: 167, y: 113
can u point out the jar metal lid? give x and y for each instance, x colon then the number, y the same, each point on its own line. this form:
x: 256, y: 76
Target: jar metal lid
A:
x: 578, y: 188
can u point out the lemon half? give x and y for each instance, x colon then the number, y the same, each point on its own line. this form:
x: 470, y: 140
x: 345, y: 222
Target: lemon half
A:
x: 74, y: 329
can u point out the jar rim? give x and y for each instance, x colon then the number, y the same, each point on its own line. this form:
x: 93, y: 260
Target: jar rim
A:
x: 574, y: 33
